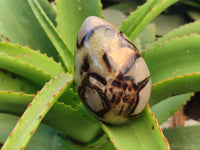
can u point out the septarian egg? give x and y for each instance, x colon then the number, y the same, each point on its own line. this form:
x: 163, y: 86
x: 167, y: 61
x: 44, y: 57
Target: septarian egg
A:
x: 111, y: 77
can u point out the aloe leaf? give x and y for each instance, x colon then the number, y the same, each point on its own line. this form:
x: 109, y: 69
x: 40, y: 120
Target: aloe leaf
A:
x: 49, y: 10
x: 63, y: 144
x: 115, y: 17
x: 42, y: 139
x: 147, y: 36
x: 15, y: 65
x: 16, y: 103
x: 169, y: 106
x: 126, y: 7
x: 65, y: 53
x: 136, y: 22
x: 142, y: 133
x: 16, y: 83
x: 32, y: 57
x: 175, y: 86
x: 24, y: 29
x: 191, y: 3
x: 183, y: 138
x: 184, y: 30
x: 13, y: 102
x: 163, y: 26
x: 195, y: 15
x: 173, y: 58
x: 35, y: 112
x: 69, y: 20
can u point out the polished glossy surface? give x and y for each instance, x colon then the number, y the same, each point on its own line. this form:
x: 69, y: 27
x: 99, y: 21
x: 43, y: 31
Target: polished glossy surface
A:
x: 111, y: 77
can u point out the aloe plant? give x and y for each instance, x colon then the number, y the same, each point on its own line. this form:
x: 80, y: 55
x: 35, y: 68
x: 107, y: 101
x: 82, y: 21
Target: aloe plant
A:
x: 37, y: 88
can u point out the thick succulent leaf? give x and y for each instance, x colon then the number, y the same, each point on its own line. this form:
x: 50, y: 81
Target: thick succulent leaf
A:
x: 147, y: 36
x: 169, y: 106
x: 195, y: 15
x: 41, y: 140
x: 65, y: 53
x: 180, y: 32
x: 63, y: 144
x: 126, y: 7
x: 16, y: 83
x: 183, y: 138
x: 192, y: 3
x: 174, y: 86
x: 173, y: 58
x: 18, y: 24
x: 17, y: 66
x: 71, y: 14
x: 16, y: 103
x: 136, y: 22
x: 142, y: 133
x: 49, y: 10
x: 34, y: 58
x: 36, y: 110
x: 113, y: 16
x: 166, y: 23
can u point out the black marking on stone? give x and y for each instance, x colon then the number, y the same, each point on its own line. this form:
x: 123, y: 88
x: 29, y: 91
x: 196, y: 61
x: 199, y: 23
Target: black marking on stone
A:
x: 131, y: 63
x: 98, y: 77
x: 111, y: 90
x: 143, y: 83
x: 136, y: 104
x: 128, y: 78
x: 106, y: 61
x: 118, y: 100
x: 125, y: 85
x: 134, y: 86
x: 116, y: 83
x: 113, y: 99
x: 88, y: 35
x: 84, y: 39
x: 85, y: 67
x: 121, y: 110
x: 126, y: 97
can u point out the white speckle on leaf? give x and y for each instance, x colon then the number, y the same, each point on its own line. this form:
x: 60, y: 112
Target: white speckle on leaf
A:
x: 173, y: 72
x: 188, y: 51
x: 0, y: 23
x: 79, y: 8
x: 78, y: 0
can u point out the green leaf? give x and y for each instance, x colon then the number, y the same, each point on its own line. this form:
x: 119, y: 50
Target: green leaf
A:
x: 183, y: 138
x: 42, y: 139
x: 115, y: 17
x: 147, y: 36
x: 18, y: 24
x: 142, y: 133
x: 35, y: 58
x: 174, y: 86
x: 63, y: 144
x: 35, y: 112
x: 180, y: 32
x: 49, y: 10
x: 65, y: 53
x: 195, y: 15
x: 15, y: 83
x: 126, y: 7
x: 71, y: 14
x: 169, y: 106
x: 16, y: 103
x: 173, y: 58
x: 136, y: 22
x: 166, y: 23
x: 17, y: 66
